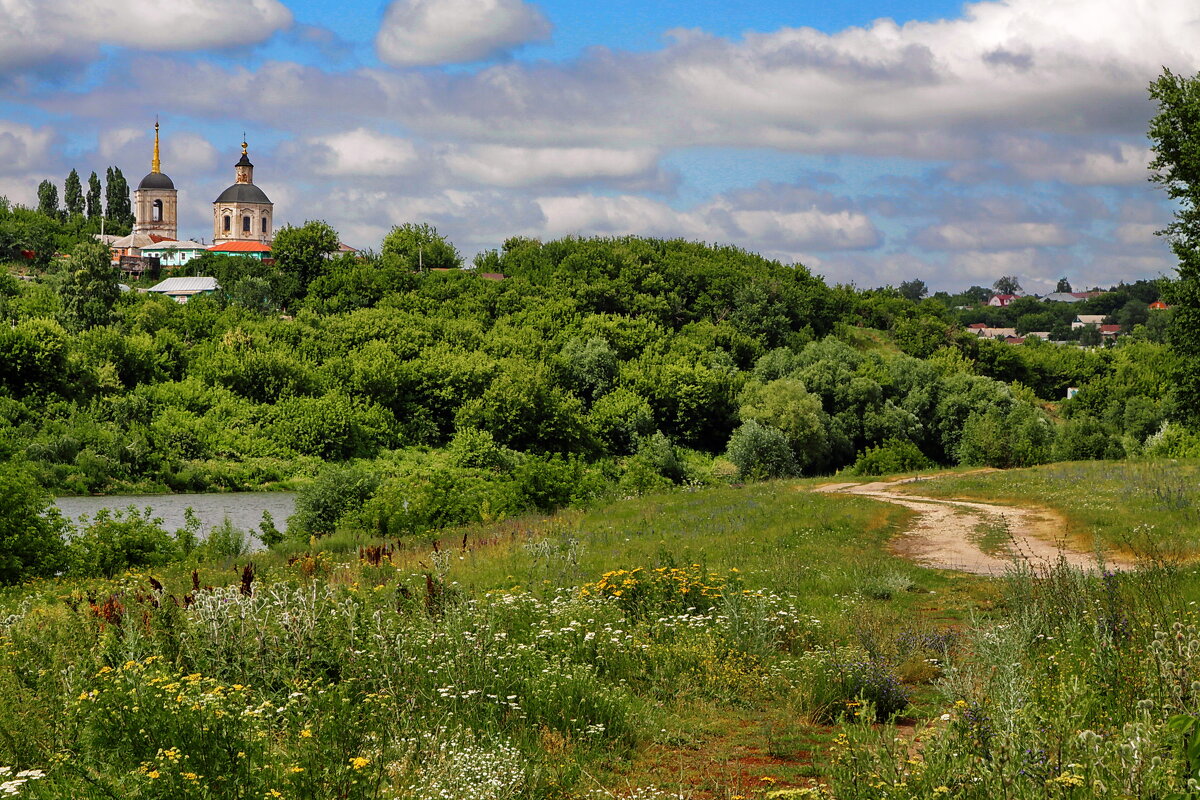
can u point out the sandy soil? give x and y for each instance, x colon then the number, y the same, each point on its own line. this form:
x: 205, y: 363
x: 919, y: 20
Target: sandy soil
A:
x: 945, y: 533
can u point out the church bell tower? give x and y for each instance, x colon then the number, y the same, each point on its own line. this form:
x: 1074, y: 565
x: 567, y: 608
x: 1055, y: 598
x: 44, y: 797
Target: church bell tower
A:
x: 155, y: 201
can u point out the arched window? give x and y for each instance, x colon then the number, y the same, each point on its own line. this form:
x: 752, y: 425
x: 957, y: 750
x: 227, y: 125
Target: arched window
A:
x: 156, y: 211
x: 227, y: 223
x: 245, y: 224
x: 264, y: 224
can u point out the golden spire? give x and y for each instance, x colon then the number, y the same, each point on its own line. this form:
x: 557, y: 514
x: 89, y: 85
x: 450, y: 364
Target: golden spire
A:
x: 155, y: 165
x: 244, y: 145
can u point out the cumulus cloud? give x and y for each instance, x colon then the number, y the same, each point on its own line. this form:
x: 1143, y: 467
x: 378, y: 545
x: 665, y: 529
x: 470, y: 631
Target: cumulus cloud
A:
x: 23, y: 147
x: 432, y: 32
x: 993, y: 235
x: 505, y: 165
x: 785, y: 232
x: 41, y: 31
x: 359, y: 153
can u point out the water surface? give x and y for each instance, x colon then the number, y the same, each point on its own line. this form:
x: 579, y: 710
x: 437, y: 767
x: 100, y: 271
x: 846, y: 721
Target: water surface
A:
x: 244, y: 509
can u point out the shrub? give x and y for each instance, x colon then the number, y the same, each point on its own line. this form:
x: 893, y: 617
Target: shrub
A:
x: 115, y: 541
x: 894, y: 455
x: 760, y: 451
x: 336, y: 491
x: 31, y: 530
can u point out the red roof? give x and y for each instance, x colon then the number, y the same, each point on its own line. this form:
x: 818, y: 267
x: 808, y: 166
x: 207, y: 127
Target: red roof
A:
x: 240, y: 247
x: 1110, y: 328
x: 154, y: 237
x: 492, y: 276
x: 1158, y: 305
x: 977, y: 326
x: 1014, y: 340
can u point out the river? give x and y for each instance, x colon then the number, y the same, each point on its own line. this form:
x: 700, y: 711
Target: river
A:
x: 244, y: 509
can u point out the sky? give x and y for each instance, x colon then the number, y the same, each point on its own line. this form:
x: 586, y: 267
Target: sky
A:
x: 874, y: 142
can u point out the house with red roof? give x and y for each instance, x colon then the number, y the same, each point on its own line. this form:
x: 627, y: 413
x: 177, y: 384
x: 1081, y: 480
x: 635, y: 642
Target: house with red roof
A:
x: 244, y: 248
x: 1001, y: 300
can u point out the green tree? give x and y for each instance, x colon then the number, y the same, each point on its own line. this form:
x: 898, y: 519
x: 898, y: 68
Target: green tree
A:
x: 91, y: 289
x: 93, y: 196
x: 1007, y: 284
x: 73, y: 194
x: 116, y: 198
x: 786, y: 406
x: 914, y: 289
x: 419, y: 246
x: 31, y: 530
x: 48, y: 199
x: 761, y: 451
x: 1175, y: 136
x: 1064, y: 286
x: 303, y: 252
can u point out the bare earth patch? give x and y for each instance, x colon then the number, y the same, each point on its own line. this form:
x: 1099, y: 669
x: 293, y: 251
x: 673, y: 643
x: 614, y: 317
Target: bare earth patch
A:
x: 945, y: 534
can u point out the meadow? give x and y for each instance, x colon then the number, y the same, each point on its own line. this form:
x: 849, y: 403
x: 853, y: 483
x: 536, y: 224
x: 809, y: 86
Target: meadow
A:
x: 755, y: 641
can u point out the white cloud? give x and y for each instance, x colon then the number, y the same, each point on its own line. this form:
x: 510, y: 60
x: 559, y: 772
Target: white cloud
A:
x: 784, y: 232
x: 1137, y: 232
x: 361, y: 152
x: 115, y: 142
x: 504, y: 165
x: 987, y: 235
x: 431, y: 32
x: 186, y: 152
x: 43, y: 31
x: 23, y: 147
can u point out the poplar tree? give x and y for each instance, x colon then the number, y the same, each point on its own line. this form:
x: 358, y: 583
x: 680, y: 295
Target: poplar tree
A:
x: 93, y: 196
x: 73, y: 194
x: 116, y: 198
x: 48, y: 199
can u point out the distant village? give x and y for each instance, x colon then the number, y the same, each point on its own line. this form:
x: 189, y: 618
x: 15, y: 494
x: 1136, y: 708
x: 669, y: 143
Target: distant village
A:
x: 1100, y: 326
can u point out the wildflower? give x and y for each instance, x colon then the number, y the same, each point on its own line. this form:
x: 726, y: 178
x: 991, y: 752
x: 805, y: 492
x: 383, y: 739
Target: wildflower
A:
x: 358, y: 762
x: 306, y: 734
x: 152, y: 774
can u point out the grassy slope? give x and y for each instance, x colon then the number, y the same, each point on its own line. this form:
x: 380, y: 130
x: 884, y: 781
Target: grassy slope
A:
x: 825, y: 550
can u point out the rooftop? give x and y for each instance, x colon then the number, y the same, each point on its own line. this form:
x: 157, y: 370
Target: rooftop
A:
x: 186, y: 285
x: 240, y: 247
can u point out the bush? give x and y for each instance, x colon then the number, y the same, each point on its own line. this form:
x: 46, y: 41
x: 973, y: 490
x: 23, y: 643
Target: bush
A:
x: 31, y: 530
x: 893, y: 456
x: 760, y: 452
x: 336, y: 491
x: 115, y: 541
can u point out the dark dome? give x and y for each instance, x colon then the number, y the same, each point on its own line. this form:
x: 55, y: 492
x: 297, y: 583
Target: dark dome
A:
x: 156, y: 180
x: 242, y: 193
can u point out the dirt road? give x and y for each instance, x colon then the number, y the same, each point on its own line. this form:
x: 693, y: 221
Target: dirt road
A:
x: 980, y: 538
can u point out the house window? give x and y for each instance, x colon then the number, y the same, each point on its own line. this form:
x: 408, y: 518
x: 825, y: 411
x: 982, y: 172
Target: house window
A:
x: 264, y: 224
x: 245, y: 224
x: 227, y: 223
x: 156, y: 211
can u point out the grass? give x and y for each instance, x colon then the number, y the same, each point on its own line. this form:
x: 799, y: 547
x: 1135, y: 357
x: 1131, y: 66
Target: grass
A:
x: 737, y: 642
x: 583, y: 650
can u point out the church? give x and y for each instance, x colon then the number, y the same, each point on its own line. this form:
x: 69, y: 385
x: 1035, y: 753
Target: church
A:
x: 241, y: 213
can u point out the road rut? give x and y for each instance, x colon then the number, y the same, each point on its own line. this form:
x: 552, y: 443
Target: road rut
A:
x: 946, y: 533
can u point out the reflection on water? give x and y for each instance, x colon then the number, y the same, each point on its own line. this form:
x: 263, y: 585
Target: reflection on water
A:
x: 244, y: 509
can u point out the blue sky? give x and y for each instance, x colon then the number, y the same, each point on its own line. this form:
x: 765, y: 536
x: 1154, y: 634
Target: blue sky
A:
x: 872, y: 141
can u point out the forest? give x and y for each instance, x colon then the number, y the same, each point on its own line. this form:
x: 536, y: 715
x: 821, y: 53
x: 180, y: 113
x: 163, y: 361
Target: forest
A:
x: 403, y: 393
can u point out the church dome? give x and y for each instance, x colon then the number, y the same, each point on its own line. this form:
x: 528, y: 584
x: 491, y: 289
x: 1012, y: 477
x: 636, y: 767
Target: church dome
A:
x: 156, y: 180
x: 243, y: 193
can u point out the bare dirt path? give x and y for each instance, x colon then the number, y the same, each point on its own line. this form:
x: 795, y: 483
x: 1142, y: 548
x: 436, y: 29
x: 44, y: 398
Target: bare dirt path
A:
x: 980, y: 538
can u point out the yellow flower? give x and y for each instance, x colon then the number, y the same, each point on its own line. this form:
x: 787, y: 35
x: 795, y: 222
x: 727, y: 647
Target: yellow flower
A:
x: 296, y: 769
x: 358, y: 762
x: 306, y: 734
x: 152, y: 774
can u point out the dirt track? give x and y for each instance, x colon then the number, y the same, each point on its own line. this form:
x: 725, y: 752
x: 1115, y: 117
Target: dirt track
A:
x: 945, y: 534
